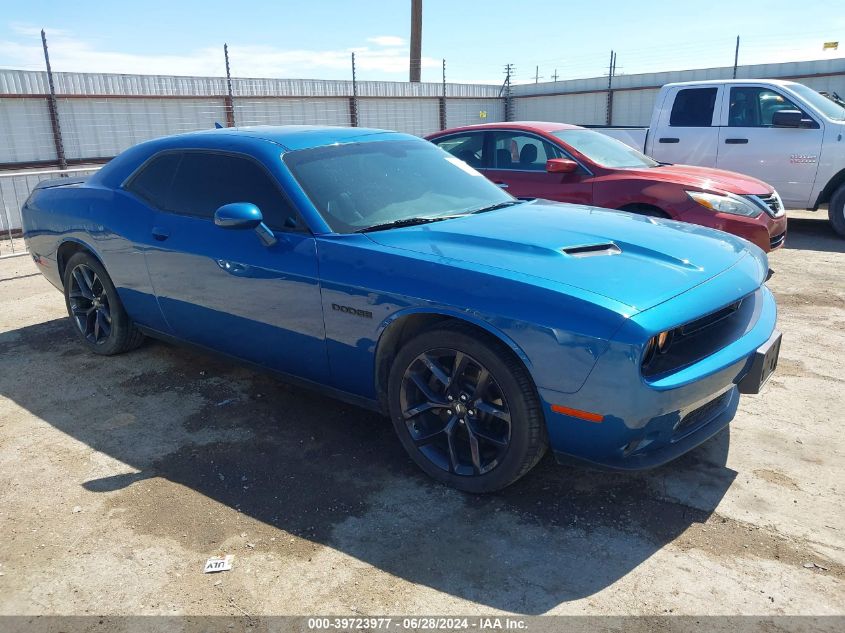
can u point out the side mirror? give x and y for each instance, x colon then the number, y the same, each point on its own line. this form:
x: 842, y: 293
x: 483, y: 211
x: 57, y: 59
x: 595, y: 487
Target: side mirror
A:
x: 561, y: 166
x: 791, y: 118
x: 244, y: 215
x: 238, y: 215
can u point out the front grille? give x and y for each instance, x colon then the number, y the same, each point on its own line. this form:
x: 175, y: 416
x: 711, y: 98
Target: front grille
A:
x: 705, y: 412
x: 711, y: 319
x: 773, y: 203
x: 777, y: 241
x: 694, y: 340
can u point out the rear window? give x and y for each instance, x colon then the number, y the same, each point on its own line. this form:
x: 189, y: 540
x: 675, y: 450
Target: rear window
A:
x: 693, y: 107
x: 153, y: 182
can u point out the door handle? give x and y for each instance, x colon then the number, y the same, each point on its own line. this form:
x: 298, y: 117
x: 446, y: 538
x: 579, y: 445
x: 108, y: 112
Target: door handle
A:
x: 502, y: 185
x: 736, y: 141
x: 669, y: 139
x: 160, y: 233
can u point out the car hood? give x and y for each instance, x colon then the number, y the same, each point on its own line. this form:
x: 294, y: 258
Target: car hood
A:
x: 646, y: 260
x: 703, y: 178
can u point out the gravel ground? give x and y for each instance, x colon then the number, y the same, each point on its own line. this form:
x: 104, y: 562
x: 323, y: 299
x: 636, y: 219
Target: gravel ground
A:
x: 120, y: 476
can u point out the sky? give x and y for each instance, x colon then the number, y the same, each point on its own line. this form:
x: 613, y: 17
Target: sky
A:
x: 314, y: 39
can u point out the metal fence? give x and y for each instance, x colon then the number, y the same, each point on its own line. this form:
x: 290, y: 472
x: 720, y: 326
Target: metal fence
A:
x: 15, y: 187
x: 90, y: 117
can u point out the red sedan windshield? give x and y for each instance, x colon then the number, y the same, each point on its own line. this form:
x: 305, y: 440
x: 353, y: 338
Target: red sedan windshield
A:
x: 603, y: 150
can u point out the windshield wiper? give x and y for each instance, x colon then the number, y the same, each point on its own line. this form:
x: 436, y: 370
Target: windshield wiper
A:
x: 395, y: 224
x: 499, y: 205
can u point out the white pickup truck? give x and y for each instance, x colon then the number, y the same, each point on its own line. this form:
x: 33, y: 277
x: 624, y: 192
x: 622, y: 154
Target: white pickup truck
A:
x: 781, y: 132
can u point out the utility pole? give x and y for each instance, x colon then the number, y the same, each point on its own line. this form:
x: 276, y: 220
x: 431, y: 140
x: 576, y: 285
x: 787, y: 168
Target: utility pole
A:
x: 230, y: 102
x: 416, y: 41
x: 443, y: 100
x: 353, y: 100
x: 610, y: 72
x: 736, y: 55
x: 506, y: 91
x: 536, y: 74
x: 54, y: 110
x: 554, y: 77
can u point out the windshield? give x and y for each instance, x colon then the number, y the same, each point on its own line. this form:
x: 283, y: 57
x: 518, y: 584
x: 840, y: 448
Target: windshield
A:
x: 603, y: 150
x: 360, y: 185
x: 821, y: 103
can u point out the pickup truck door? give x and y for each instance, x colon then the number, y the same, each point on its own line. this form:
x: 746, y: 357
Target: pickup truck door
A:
x: 686, y: 131
x: 786, y: 158
x: 516, y: 161
x: 222, y: 288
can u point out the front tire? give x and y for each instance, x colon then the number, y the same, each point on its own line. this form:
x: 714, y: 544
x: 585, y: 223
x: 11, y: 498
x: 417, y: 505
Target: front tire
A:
x: 465, y: 409
x: 94, y: 307
x: 836, y: 211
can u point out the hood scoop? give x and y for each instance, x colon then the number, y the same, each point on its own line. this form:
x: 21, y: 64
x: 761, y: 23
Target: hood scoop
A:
x: 592, y: 250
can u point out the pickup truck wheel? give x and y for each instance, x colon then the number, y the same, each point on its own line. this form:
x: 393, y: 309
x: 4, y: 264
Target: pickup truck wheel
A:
x: 95, y: 308
x: 466, y: 410
x: 836, y: 211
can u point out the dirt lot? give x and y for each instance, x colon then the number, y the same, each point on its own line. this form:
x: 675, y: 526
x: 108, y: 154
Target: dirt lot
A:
x: 120, y: 476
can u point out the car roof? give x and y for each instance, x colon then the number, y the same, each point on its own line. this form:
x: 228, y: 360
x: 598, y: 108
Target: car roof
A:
x: 535, y: 126
x: 295, y: 137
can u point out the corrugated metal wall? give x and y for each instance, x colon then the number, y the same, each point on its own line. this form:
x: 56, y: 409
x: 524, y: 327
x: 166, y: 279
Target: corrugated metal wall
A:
x: 102, y: 114
x: 581, y: 109
x: 25, y: 131
x: 94, y: 128
x: 322, y: 111
x: 579, y: 100
x: 410, y: 115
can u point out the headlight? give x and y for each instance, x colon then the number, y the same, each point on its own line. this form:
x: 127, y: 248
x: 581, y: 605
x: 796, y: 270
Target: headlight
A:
x: 726, y: 204
x: 657, y: 345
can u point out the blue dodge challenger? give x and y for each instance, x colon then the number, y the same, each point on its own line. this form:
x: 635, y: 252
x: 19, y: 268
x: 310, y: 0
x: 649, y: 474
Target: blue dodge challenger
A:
x: 383, y: 271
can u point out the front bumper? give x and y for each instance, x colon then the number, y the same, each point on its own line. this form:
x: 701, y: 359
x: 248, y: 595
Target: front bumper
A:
x: 647, y: 424
x: 764, y: 231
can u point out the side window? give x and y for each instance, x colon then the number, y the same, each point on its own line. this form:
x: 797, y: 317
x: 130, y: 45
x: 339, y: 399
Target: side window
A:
x: 152, y: 183
x: 206, y: 181
x: 524, y: 152
x: 693, y: 107
x: 755, y: 107
x: 468, y: 147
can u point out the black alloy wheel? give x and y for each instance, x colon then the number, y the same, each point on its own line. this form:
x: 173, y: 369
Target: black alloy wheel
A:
x: 455, y: 412
x: 465, y: 408
x: 89, y: 304
x: 95, y: 308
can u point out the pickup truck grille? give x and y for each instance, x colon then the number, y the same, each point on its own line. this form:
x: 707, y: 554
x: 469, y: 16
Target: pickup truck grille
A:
x: 773, y: 203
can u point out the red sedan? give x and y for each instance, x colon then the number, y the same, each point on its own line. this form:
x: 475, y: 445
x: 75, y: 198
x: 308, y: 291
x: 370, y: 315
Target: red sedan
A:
x: 568, y: 163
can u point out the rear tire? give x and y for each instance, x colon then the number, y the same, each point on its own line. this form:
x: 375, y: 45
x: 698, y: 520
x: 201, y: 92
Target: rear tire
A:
x: 466, y: 409
x: 94, y: 307
x: 836, y: 211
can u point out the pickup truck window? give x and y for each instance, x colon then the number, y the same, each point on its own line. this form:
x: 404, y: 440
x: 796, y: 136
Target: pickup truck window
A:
x: 755, y: 107
x: 824, y: 105
x: 693, y: 107
x: 603, y: 150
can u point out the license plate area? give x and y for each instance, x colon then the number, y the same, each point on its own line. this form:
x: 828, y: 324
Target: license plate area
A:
x: 762, y: 366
